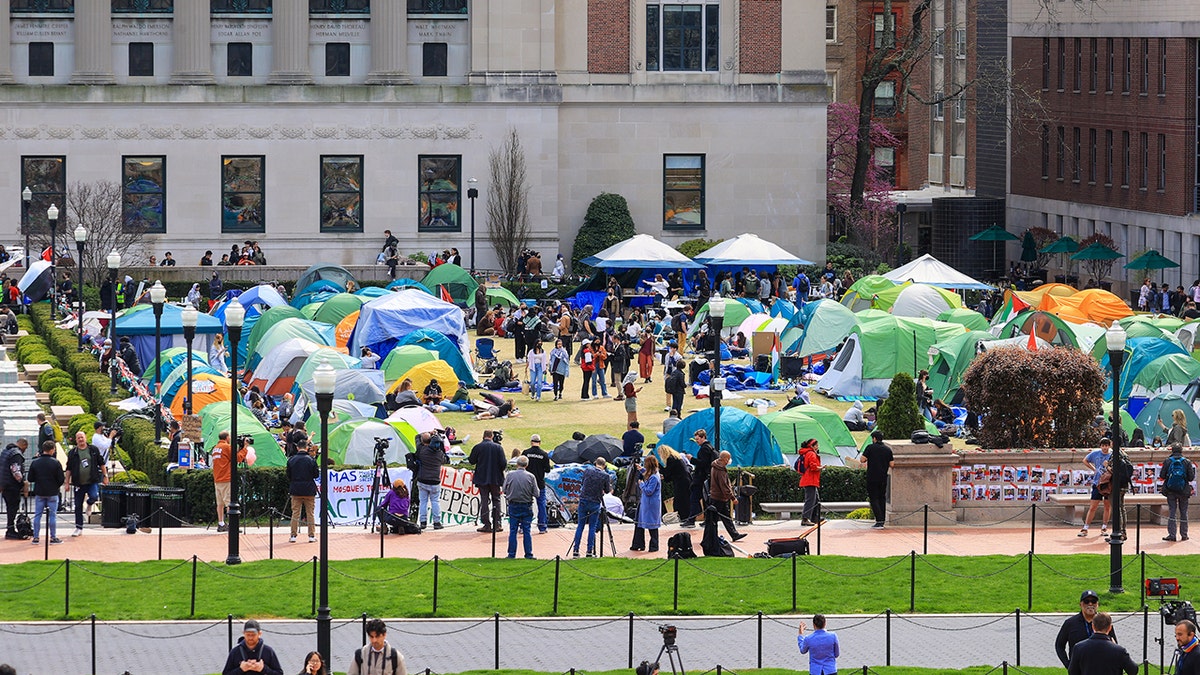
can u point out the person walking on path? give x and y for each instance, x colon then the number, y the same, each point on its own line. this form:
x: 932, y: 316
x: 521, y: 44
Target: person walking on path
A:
x: 646, y: 357
x: 86, y: 471
x: 722, y: 494
x: 12, y: 482
x: 521, y: 491
x: 649, y: 515
x: 1078, y: 627
x: 879, y: 459
x: 222, y: 470
x: 593, y: 486
x: 377, y: 657
x: 1177, y: 474
x: 1100, y: 654
x: 810, y: 481
x: 1187, y: 654
x: 302, y: 475
x: 1095, y: 461
x: 46, y: 477
x: 539, y: 466
x: 488, y: 459
x: 251, y: 654
x: 821, y: 646
x: 700, y: 473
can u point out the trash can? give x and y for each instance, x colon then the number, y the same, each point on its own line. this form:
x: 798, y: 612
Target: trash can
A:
x: 137, y: 502
x: 745, y: 504
x: 166, y: 506
x: 112, y: 505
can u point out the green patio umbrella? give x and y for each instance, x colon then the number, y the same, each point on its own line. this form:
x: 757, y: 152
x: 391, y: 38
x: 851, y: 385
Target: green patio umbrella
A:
x: 502, y: 296
x: 1029, y: 252
x: 1097, y: 251
x: 1151, y: 260
x: 994, y: 233
x: 1061, y: 245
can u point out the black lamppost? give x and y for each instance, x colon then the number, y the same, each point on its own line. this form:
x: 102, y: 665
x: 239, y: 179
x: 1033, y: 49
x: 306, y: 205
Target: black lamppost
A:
x: 716, y: 321
x: 472, y: 194
x: 235, y: 314
x: 80, y: 240
x: 189, y: 317
x: 114, y: 264
x: 26, y: 198
x: 158, y: 296
x: 901, y: 208
x: 324, y: 380
x: 1115, y: 339
x: 52, y: 219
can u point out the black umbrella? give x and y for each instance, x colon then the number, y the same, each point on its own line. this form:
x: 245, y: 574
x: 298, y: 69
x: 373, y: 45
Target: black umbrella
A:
x: 566, y: 453
x: 600, y: 445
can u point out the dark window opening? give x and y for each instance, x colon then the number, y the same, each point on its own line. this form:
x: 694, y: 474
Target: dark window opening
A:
x: 141, y: 59
x: 41, y: 59
x: 337, y: 59
x: 239, y: 59
x: 434, y: 59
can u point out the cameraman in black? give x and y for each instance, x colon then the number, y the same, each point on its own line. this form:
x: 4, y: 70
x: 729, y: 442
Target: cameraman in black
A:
x: 176, y: 434
x: 430, y: 456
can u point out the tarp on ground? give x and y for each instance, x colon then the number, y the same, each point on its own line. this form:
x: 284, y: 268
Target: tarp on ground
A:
x: 402, y: 358
x: 353, y: 442
x: 384, y: 322
x: 421, y: 375
x: 742, y: 434
x: 325, y: 272
x: 818, y: 327
x: 751, y: 251
x: 1160, y: 409
x: 364, y: 386
x: 1139, y: 353
x: 458, y: 282
x: 861, y: 294
x: 1094, y: 304
x: 929, y: 270
x: 215, y: 418
x: 878, y: 349
x: 446, y: 351
x: 337, y: 308
x: 641, y: 251
x: 962, y: 316
x: 917, y: 300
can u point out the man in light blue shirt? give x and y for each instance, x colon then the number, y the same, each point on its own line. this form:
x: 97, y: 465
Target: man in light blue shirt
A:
x: 1095, y: 461
x: 821, y: 647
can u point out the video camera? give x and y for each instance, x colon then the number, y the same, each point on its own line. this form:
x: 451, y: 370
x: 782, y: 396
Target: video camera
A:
x: 381, y: 446
x: 1175, y: 611
x: 669, y: 633
x: 497, y: 436
x: 245, y: 439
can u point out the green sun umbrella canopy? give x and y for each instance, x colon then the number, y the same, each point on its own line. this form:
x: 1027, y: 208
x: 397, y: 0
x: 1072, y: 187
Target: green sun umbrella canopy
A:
x: 402, y: 359
x: 994, y: 233
x: 502, y: 296
x: 1151, y: 260
x: 1097, y: 251
x: 1029, y: 250
x: 1061, y: 245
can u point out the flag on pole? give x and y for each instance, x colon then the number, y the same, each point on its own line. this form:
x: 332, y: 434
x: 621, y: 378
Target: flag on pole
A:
x: 775, y: 349
x: 1032, y: 346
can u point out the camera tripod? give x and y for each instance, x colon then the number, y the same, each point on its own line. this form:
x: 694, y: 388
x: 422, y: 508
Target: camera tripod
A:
x: 381, y: 481
x: 605, y: 526
x: 672, y: 651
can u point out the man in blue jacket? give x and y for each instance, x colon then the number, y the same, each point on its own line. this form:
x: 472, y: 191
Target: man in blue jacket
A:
x: 821, y: 647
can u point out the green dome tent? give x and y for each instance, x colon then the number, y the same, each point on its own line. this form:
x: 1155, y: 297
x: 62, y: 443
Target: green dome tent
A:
x: 951, y: 361
x: 353, y: 442
x: 862, y: 293
x: 1172, y: 373
x: 458, y: 282
x: 817, y: 327
x: 501, y: 296
x: 964, y: 317
x: 917, y: 300
x: 282, y: 332
x: 880, y: 347
x: 214, y: 418
x: 401, y: 359
x: 337, y: 308
x: 792, y: 427
x: 735, y: 314
x: 310, y: 310
x: 268, y: 319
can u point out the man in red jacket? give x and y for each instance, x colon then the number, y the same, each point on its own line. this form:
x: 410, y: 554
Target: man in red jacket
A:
x: 810, y: 480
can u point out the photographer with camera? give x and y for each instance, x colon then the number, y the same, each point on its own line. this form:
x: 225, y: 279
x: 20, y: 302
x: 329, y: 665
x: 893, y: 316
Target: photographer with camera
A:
x: 430, y: 456
x: 103, y: 438
x: 222, y: 471
x: 488, y: 459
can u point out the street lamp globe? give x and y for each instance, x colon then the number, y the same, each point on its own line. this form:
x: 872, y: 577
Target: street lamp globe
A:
x: 114, y: 260
x: 1115, y: 338
x: 235, y: 314
x: 716, y: 307
x: 81, y: 234
x: 158, y: 293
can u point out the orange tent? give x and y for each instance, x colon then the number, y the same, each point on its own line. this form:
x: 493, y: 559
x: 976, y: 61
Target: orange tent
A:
x: 1034, y: 297
x: 207, y: 388
x: 341, y: 333
x: 1094, y: 304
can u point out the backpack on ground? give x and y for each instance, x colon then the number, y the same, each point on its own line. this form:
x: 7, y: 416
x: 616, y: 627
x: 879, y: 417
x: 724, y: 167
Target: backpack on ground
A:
x: 393, y: 656
x: 1176, y: 476
x: 679, y: 546
x: 22, y: 524
x: 785, y: 548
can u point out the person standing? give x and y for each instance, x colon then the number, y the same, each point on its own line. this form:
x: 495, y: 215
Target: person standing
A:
x: 600, y: 355
x: 704, y: 461
x: 302, y: 475
x: 521, y: 491
x: 722, y: 493
x: 12, y: 482
x: 1177, y: 473
x: 1100, y: 654
x: 251, y: 654
x: 679, y: 472
x: 45, y: 431
x: 47, y: 478
x: 539, y: 466
x: 431, y: 456
x: 222, y: 470
x: 1187, y: 655
x: 810, y: 481
x: 879, y: 459
x: 560, y: 366
x: 1095, y: 461
x: 1078, y: 627
x: 632, y: 441
x: 646, y: 356
x: 86, y: 471
x: 630, y: 394
x: 587, y: 365
x: 822, y: 647
x: 535, y: 370
x: 593, y: 486
x: 488, y: 459
x: 618, y: 361
x: 649, y: 515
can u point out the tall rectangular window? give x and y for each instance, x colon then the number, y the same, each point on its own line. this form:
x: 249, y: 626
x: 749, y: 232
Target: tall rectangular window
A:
x: 1078, y: 79
x: 239, y: 59
x: 440, y: 193
x: 1112, y: 65
x: 141, y: 59
x: 1144, y: 147
x: 885, y: 99
x: 1062, y: 63
x: 960, y: 107
x: 885, y: 159
x: 1077, y: 154
x: 1162, y: 66
x: 1045, y: 63
x: 41, y: 59
x: 243, y: 193
x: 144, y: 193
x: 46, y: 178
x: 939, y: 43
x: 434, y: 59
x: 1045, y: 133
x: 1108, y: 156
x: 341, y: 193
x: 1127, y: 75
x: 683, y: 192
x: 337, y: 59
x: 960, y: 43
x: 885, y: 32
x: 238, y: 6
x: 1125, y: 159
x: 1093, y: 65
x: 1092, y: 149
x: 1145, y: 66
x: 683, y: 37
x: 831, y: 23
x: 1060, y: 153
x: 939, y: 105
x: 1162, y: 162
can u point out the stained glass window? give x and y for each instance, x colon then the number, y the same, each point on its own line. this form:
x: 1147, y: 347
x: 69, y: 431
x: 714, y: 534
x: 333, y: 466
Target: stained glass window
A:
x: 341, y: 193
x: 46, y: 178
x: 240, y: 6
x: 42, y: 5
x: 120, y: 6
x: 437, y: 6
x: 339, y: 6
x: 682, y: 37
x: 440, y: 179
x: 144, y: 193
x: 683, y: 192
x: 243, y: 200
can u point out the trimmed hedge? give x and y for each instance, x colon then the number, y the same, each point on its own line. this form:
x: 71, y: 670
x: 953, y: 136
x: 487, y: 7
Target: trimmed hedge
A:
x: 131, y: 477
x: 144, y: 455
x: 263, y: 488
x: 84, y: 423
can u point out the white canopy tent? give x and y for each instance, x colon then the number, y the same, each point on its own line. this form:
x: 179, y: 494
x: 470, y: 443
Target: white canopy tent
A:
x: 929, y: 270
x: 641, y: 252
x: 749, y: 249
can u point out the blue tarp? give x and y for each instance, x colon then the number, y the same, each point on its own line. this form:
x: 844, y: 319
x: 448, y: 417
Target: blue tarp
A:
x: 384, y: 321
x: 1139, y: 352
x: 317, y: 291
x: 413, y: 283
x: 444, y: 348
x: 742, y: 434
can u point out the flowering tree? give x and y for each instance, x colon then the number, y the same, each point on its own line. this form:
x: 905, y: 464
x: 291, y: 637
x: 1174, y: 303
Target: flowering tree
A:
x: 870, y: 221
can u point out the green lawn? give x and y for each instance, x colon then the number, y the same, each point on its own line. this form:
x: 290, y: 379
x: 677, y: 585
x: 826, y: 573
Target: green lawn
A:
x: 478, y: 587
x: 880, y: 670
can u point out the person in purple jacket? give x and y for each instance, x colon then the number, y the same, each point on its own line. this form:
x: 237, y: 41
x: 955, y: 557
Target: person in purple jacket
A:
x: 393, y: 510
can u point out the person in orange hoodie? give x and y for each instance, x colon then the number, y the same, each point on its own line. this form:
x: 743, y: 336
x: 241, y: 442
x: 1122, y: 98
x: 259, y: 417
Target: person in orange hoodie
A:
x: 222, y: 470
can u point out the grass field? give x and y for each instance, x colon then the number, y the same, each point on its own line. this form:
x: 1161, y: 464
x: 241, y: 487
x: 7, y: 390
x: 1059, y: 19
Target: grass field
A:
x: 880, y: 670
x: 478, y: 587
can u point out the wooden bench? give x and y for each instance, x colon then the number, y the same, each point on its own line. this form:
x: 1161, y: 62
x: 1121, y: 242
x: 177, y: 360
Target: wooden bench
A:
x: 1077, y: 504
x: 786, y: 509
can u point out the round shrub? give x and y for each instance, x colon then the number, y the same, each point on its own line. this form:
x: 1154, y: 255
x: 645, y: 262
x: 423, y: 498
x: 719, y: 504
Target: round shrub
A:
x: 52, y: 374
x: 898, y: 415
x: 29, y: 340
x: 138, y: 477
x: 606, y: 222
x: 84, y: 423
x: 860, y: 514
x: 68, y: 396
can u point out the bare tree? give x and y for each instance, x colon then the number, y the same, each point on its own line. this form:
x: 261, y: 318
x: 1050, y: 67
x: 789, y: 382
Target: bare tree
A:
x: 98, y: 206
x: 508, y: 201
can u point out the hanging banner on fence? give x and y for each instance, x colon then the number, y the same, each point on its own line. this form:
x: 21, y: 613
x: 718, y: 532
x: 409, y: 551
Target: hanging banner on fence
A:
x: 458, y: 498
x: 566, y: 480
x: 350, y: 493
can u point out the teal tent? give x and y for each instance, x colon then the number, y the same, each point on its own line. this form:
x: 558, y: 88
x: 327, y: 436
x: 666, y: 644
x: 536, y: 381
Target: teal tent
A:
x: 458, y: 282
x: 445, y: 349
x: 1139, y: 353
x: 817, y: 327
x: 1159, y: 409
x: 742, y: 434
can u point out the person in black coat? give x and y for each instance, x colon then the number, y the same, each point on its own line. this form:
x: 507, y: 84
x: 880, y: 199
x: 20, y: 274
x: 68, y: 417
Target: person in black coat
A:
x: 252, y: 654
x: 1188, y: 654
x: 704, y: 459
x: 489, y: 461
x: 1100, y: 654
x: 676, y: 471
x: 302, y: 475
x: 1079, y: 627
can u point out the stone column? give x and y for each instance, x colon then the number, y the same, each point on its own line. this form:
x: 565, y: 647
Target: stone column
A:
x: 192, y: 38
x: 289, y: 38
x: 389, y: 43
x: 922, y: 474
x: 93, y: 42
x: 6, y: 76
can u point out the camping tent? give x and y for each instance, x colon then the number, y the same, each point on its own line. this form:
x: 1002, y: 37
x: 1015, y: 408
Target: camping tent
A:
x: 385, y: 321
x: 402, y: 358
x: 445, y: 350
x: 285, y: 330
x: 353, y: 442
x: 641, y: 251
x: 793, y: 426
x: 750, y: 251
x: 969, y: 318
x: 951, y: 361
x: 364, y: 386
x: 276, y: 371
x: 1159, y: 410
x: 139, y: 326
x: 422, y: 373
x: 742, y: 434
x: 207, y: 389
x: 343, y: 409
x: 335, y: 274
x: 917, y: 300
x: 1094, y: 304
x: 1139, y: 353
x: 929, y: 270
x: 215, y: 418
x: 1171, y: 373
x: 760, y: 323
x: 818, y: 327
x: 404, y: 282
x: 1045, y: 326
x: 337, y: 308
x: 735, y: 314
x: 335, y: 359
x: 272, y: 316
x: 418, y: 418
x: 176, y: 378
x: 501, y: 296
x: 861, y: 294
x: 458, y: 282
x: 344, y: 330
x: 895, y: 344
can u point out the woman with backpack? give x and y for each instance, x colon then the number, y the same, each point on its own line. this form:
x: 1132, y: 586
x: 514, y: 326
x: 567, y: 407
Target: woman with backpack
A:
x: 587, y: 366
x: 1177, y: 473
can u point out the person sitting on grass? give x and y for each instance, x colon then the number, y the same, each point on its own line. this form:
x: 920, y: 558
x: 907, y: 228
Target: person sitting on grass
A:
x: 405, y: 396
x: 433, y: 393
x: 495, y: 407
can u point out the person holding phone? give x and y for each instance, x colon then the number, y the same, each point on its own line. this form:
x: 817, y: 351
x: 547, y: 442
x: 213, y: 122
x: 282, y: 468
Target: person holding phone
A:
x: 251, y: 654
x: 313, y: 665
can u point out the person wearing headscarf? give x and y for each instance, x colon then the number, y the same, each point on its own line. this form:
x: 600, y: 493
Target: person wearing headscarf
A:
x: 193, y: 296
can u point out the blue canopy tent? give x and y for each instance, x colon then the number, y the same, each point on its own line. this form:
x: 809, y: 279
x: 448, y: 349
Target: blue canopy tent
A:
x: 445, y: 349
x: 317, y: 291
x: 139, y: 326
x: 385, y: 321
x: 742, y: 434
